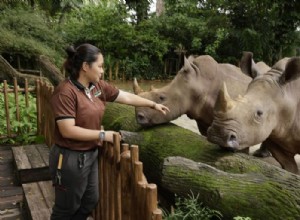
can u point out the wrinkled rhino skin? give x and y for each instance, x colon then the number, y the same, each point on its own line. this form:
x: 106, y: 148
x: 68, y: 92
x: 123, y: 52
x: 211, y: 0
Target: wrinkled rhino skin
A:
x: 269, y: 111
x: 193, y: 91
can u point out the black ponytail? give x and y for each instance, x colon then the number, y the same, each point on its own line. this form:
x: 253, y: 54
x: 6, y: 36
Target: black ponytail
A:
x: 84, y: 53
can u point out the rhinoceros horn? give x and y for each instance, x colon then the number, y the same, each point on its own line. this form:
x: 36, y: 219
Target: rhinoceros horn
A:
x: 136, y: 88
x: 224, y: 102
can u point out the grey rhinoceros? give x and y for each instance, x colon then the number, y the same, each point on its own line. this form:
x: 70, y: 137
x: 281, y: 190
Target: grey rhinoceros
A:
x: 269, y: 111
x: 193, y: 91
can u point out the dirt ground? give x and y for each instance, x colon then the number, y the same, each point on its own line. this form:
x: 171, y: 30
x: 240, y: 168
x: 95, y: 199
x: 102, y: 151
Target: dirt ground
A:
x: 189, y: 124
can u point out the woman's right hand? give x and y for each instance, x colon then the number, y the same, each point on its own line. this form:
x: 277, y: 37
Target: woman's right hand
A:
x: 109, y: 136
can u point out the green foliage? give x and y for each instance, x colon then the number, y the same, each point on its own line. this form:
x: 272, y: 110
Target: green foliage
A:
x: 191, y: 209
x: 241, y: 218
x: 267, y: 28
x: 212, y: 48
x: 26, y: 128
x: 139, y: 49
x: 26, y: 32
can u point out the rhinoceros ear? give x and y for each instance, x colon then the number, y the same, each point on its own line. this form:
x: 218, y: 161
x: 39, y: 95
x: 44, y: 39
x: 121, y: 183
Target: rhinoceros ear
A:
x: 187, y: 65
x: 292, y: 70
x: 248, y: 65
x: 224, y: 102
x: 191, y: 58
x: 136, y: 88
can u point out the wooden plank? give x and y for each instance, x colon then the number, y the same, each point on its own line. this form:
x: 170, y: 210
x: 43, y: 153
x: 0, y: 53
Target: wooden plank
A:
x: 6, y: 191
x: 32, y: 163
x: 21, y: 158
x: 6, y: 169
x: 48, y: 192
x: 44, y: 152
x: 6, y: 181
x: 11, y: 214
x: 34, y: 156
x: 10, y: 202
x: 6, y: 156
x: 38, y: 196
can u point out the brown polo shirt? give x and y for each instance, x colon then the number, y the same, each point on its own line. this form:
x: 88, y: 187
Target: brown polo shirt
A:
x: 69, y: 100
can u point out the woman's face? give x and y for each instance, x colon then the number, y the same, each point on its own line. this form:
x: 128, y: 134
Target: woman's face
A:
x: 95, y: 71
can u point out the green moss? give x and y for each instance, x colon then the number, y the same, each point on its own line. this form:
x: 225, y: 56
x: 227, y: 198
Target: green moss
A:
x: 236, y: 194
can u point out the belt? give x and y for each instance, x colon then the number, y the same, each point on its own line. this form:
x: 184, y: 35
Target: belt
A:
x: 80, y: 151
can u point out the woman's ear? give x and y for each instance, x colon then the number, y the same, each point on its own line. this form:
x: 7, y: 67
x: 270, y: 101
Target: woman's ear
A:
x: 85, y: 66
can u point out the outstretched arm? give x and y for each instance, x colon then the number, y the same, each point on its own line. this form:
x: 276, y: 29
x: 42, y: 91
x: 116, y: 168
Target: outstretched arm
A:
x: 137, y: 101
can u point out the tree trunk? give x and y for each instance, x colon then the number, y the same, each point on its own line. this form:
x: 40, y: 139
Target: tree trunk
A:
x: 8, y: 73
x: 50, y: 71
x: 273, y: 194
x: 182, y: 161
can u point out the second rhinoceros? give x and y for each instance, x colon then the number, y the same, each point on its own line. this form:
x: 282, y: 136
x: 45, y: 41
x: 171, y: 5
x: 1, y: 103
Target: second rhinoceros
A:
x: 269, y: 111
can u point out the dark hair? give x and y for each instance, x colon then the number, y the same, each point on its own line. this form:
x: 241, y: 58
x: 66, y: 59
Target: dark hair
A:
x: 83, y: 53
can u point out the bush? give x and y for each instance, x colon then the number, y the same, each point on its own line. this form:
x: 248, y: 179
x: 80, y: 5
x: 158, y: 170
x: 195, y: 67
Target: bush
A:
x: 191, y: 209
x: 26, y: 128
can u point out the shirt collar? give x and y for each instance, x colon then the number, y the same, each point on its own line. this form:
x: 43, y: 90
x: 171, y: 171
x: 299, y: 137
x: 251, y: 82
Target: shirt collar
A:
x: 80, y: 86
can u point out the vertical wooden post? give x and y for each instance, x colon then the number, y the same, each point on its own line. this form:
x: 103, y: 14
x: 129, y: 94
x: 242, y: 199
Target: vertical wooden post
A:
x: 26, y: 93
x: 38, y: 107
x: 5, y: 93
x: 105, y: 183
x: 126, y: 183
x: 151, y: 204
x: 101, y: 183
x: 117, y: 191
x: 111, y: 179
x: 17, y: 100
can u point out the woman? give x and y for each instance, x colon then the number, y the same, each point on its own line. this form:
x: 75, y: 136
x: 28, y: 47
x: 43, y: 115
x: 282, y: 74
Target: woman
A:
x: 78, y: 104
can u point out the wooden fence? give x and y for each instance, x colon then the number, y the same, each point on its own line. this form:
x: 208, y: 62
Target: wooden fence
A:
x: 125, y: 193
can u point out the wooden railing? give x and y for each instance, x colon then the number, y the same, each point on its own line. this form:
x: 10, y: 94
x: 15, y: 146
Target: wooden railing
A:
x: 7, y: 108
x: 124, y: 191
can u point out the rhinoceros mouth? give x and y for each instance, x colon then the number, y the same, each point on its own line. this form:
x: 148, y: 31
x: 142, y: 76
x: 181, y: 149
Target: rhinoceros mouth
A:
x: 226, y: 140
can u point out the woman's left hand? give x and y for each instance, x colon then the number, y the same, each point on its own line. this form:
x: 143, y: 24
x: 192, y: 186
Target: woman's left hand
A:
x: 163, y: 109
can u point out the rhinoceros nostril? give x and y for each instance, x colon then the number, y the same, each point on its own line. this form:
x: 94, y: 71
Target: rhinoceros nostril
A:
x: 232, y: 137
x: 141, y: 119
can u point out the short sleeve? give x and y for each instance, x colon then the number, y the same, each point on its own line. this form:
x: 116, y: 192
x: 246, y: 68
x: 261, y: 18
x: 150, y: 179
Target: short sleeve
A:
x: 64, y: 105
x: 109, y: 92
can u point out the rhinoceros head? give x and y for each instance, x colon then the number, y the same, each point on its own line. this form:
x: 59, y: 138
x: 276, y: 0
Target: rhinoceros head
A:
x: 263, y: 111
x: 178, y: 96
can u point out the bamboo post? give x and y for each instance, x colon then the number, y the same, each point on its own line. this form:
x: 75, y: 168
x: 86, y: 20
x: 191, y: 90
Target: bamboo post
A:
x: 141, y: 191
x: 151, y: 203
x: 38, y: 106
x: 101, y: 183
x: 111, y: 185
x: 26, y: 97
x: 157, y: 214
x: 134, y: 158
x: 105, y: 183
x: 26, y: 93
x: 124, y: 147
x: 16, y: 93
x: 138, y: 174
x: 5, y: 93
x: 117, y: 190
x: 126, y: 183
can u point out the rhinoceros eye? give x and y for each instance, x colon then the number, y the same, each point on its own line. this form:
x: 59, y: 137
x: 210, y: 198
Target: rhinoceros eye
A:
x: 259, y: 113
x: 162, y: 98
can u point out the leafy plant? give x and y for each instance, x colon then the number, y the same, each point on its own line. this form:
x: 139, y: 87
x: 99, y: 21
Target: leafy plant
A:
x: 26, y: 127
x: 241, y: 218
x: 191, y: 209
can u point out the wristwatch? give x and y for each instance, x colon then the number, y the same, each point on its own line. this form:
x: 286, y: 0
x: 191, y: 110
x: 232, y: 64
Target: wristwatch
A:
x: 102, y: 135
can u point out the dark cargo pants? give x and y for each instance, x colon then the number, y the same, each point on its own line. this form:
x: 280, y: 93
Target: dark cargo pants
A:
x: 78, y: 193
